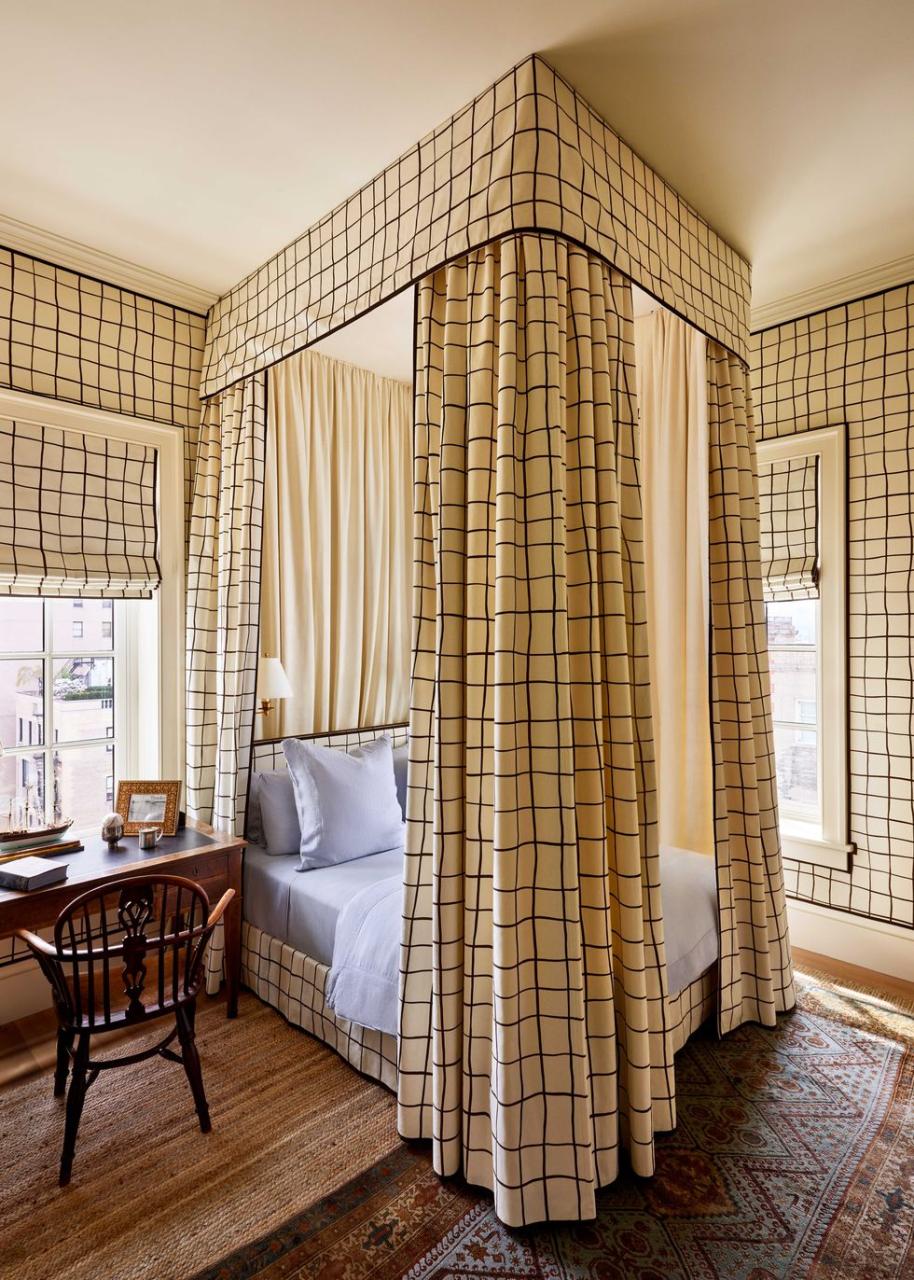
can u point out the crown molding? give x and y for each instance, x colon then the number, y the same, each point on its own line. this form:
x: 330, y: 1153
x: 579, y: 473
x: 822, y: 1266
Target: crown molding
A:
x: 846, y: 289
x: 24, y: 238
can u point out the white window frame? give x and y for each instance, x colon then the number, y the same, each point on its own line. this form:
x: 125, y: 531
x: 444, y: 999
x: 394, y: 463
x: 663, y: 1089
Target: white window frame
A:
x: 827, y: 844
x: 149, y: 727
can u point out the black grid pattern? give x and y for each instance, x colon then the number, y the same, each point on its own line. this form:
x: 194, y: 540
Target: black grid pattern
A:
x: 788, y: 492
x: 223, y: 603
x: 77, y: 514
x: 756, y: 978
x: 71, y: 337
x: 527, y: 154
x: 532, y: 877
x: 267, y: 755
x: 294, y: 983
x: 854, y: 365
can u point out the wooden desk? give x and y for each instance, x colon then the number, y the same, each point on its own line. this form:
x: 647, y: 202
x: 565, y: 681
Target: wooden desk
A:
x: 211, y: 860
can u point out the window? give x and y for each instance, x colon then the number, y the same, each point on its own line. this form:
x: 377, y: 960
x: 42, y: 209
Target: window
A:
x: 806, y: 649
x: 91, y: 690
x: 63, y: 697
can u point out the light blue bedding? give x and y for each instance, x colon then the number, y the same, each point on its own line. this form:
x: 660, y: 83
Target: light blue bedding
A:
x: 365, y: 974
x: 302, y: 908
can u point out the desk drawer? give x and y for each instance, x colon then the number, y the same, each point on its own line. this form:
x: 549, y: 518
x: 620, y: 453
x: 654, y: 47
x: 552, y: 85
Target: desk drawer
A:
x: 202, y: 868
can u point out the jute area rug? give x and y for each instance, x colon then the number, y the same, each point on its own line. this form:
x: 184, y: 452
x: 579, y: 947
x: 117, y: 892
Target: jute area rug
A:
x: 793, y: 1159
x: 154, y: 1199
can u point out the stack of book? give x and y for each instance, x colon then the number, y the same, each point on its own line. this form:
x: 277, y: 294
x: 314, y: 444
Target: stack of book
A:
x: 31, y: 873
x: 23, y: 864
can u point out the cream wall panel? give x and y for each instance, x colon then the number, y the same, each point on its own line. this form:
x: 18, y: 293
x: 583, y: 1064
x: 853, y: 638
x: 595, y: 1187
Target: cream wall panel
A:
x: 854, y: 365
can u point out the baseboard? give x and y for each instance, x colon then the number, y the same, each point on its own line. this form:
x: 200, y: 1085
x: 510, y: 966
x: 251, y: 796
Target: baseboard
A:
x: 870, y: 944
x: 23, y: 990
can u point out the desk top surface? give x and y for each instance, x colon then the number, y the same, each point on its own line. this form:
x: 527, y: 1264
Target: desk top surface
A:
x: 96, y: 862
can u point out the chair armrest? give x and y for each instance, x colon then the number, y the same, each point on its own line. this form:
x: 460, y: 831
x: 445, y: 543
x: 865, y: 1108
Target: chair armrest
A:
x: 216, y: 914
x: 36, y: 944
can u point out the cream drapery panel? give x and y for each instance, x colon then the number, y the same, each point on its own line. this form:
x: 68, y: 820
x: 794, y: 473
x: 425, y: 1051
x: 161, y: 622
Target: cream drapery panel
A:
x: 671, y: 361
x: 337, y: 556
x: 756, y: 978
x: 533, y: 962
x: 223, y: 602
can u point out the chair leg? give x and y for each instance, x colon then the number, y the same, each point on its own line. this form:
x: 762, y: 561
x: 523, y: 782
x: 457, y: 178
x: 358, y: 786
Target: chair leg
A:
x: 75, y: 1099
x: 64, y: 1045
x: 184, y: 1017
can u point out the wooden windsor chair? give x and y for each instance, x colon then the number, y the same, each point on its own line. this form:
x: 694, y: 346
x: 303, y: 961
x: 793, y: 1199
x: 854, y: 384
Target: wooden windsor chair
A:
x: 123, y: 955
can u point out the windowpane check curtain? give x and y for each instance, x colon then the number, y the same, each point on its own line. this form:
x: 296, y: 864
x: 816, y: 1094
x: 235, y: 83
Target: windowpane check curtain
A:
x: 77, y: 514
x: 789, y: 528
x: 533, y: 962
x: 223, y: 602
x: 756, y: 979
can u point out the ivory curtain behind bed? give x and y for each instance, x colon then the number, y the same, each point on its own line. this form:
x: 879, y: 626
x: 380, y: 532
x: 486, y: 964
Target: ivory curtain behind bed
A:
x: 337, y: 558
x: 533, y: 952
x: 671, y: 360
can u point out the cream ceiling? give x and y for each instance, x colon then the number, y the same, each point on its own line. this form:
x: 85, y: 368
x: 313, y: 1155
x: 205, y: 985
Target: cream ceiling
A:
x: 196, y: 138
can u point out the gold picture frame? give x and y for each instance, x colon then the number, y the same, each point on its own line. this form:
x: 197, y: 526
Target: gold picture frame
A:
x: 149, y: 804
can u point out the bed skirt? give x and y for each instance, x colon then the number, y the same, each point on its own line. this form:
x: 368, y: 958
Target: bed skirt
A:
x: 293, y: 984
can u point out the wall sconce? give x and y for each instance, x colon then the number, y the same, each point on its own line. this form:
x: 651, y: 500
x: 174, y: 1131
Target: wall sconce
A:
x: 272, y: 683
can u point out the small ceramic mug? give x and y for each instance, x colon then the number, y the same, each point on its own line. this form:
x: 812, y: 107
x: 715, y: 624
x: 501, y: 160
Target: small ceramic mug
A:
x: 150, y: 837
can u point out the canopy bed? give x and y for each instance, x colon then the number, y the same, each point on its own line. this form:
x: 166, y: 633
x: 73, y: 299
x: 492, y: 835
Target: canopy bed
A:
x: 538, y: 1017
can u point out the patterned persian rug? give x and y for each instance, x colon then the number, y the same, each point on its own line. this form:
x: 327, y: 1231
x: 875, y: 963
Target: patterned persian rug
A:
x: 793, y: 1157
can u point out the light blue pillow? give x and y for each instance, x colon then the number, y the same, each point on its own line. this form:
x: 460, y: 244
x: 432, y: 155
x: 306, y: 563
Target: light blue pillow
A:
x: 278, y: 813
x: 346, y: 801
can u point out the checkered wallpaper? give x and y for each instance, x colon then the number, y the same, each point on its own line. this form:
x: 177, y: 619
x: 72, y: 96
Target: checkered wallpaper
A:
x: 528, y: 153
x: 854, y: 364
x: 72, y: 337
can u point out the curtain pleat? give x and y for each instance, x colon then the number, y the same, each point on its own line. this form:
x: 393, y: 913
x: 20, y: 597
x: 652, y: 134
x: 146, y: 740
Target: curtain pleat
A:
x: 671, y: 358
x: 532, y: 1040
x: 756, y: 978
x: 223, y: 602
x: 337, y: 556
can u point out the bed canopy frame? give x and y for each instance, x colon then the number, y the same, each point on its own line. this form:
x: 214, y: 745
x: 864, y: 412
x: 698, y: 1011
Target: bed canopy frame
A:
x: 525, y: 197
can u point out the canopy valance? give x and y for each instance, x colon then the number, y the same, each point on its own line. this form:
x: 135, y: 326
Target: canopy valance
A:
x: 527, y: 154
x: 77, y: 513
x: 789, y: 528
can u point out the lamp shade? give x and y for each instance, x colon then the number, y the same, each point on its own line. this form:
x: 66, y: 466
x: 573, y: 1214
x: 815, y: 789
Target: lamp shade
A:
x: 272, y: 681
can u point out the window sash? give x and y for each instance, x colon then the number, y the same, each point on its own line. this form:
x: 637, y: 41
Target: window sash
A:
x: 825, y: 843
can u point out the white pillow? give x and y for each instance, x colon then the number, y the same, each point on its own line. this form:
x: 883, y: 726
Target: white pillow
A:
x: 347, y: 801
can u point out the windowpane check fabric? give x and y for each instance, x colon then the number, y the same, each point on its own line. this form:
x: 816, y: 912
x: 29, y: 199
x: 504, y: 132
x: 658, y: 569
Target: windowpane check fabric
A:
x: 223, y: 603
x: 756, y: 977
x: 532, y: 1037
x: 789, y: 528
x: 528, y: 152
x: 77, y: 514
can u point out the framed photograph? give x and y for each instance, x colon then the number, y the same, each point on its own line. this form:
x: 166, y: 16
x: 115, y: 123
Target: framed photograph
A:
x: 149, y: 804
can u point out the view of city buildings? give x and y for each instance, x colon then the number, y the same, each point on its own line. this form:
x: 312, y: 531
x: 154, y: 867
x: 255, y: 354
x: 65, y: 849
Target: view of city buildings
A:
x: 56, y: 711
x: 793, y: 658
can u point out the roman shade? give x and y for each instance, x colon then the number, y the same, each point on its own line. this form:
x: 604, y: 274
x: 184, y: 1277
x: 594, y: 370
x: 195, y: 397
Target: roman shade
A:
x: 77, y: 514
x: 789, y: 528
